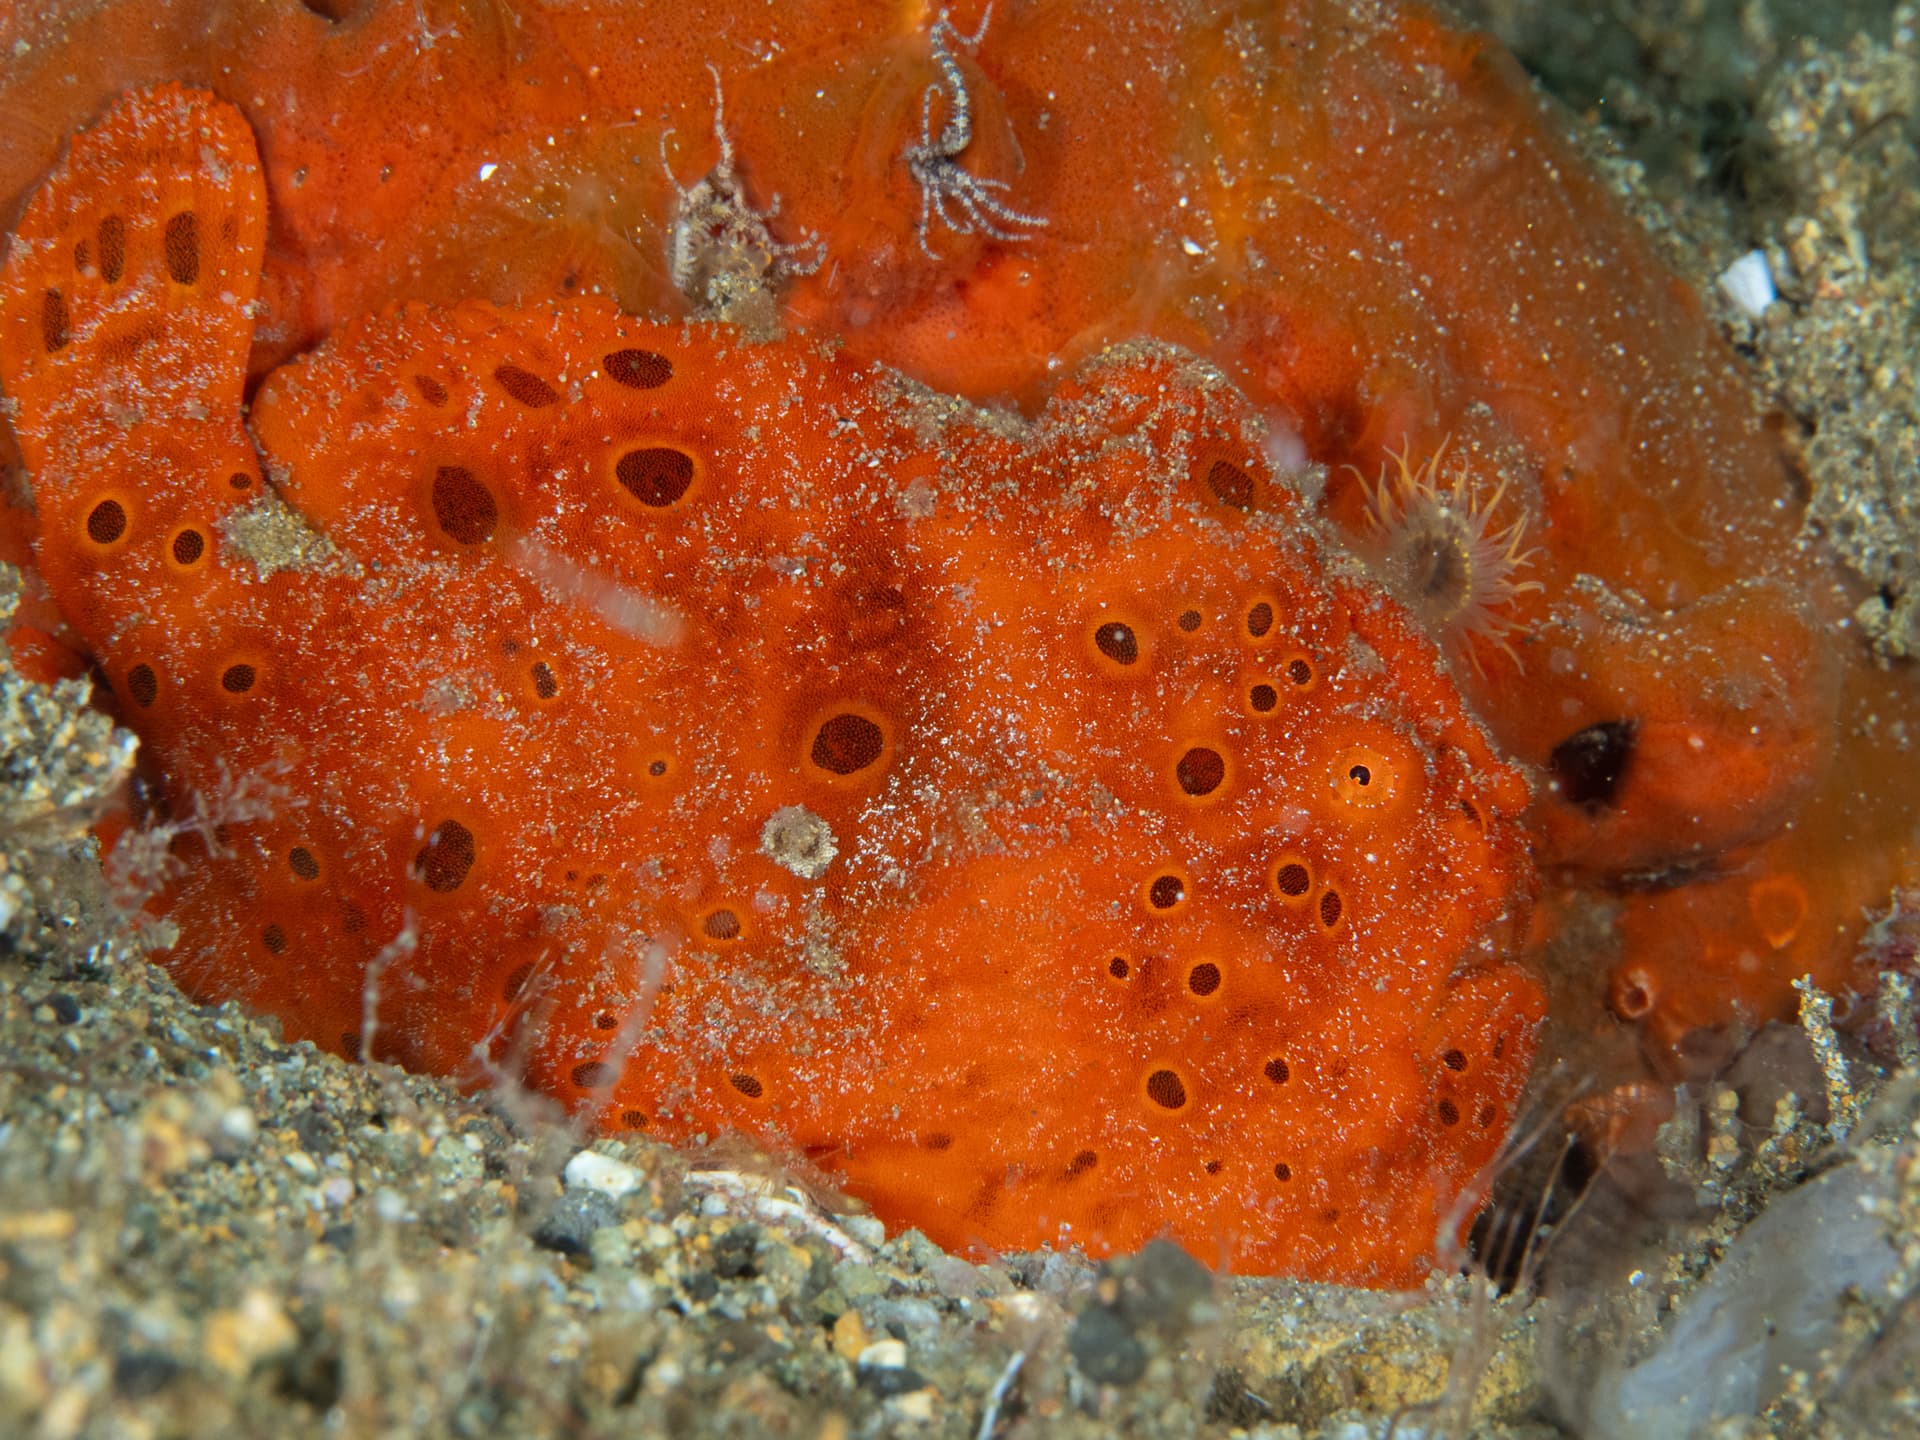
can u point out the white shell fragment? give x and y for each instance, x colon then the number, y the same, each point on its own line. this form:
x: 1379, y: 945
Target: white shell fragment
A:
x: 1748, y: 283
x: 590, y: 1170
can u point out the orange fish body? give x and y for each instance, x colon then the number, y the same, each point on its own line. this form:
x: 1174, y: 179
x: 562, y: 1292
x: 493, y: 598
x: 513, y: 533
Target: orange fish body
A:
x: 1015, y: 819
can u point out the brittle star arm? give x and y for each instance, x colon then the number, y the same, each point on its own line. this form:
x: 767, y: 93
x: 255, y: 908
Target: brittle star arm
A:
x: 934, y: 162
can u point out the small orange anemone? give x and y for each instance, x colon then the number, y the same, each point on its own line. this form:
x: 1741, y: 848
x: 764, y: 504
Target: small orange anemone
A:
x: 1436, y: 548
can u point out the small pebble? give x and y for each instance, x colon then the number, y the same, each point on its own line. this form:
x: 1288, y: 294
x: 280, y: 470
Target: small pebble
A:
x: 888, y: 1381
x: 916, y: 1405
x: 1164, y: 1288
x: 1105, y: 1349
x: 610, y: 1248
x: 884, y: 1355
x: 733, y: 1253
x: 140, y: 1374
x: 236, y: 1339
x: 856, y: 1280
x: 849, y: 1335
x: 1748, y: 283
x: 590, y: 1170
x: 238, y: 1126
x: 569, y: 1226
x: 906, y: 1315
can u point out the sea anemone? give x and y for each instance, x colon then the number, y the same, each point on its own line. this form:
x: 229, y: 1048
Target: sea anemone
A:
x: 1436, y: 548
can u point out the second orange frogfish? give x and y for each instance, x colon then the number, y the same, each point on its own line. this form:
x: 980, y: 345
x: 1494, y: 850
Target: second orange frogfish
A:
x: 1035, y: 824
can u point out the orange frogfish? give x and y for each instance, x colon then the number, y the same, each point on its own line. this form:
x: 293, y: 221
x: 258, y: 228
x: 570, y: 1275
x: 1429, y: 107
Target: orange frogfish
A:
x: 1068, y: 820
x: 1022, y: 820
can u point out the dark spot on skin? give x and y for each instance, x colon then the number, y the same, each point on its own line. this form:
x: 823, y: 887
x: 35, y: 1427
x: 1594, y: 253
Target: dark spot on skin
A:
x: 656, y: 476
x: 1165, y: 1089
x: 143, y: 684
x: 1117, y: 642
x: 446, y: 858
x: 638, y: 369
x: 1166, y: 891
x: 1201, y: 771
x: 847, y: 744
x: 106, y: 522
x: 1230, y: 484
